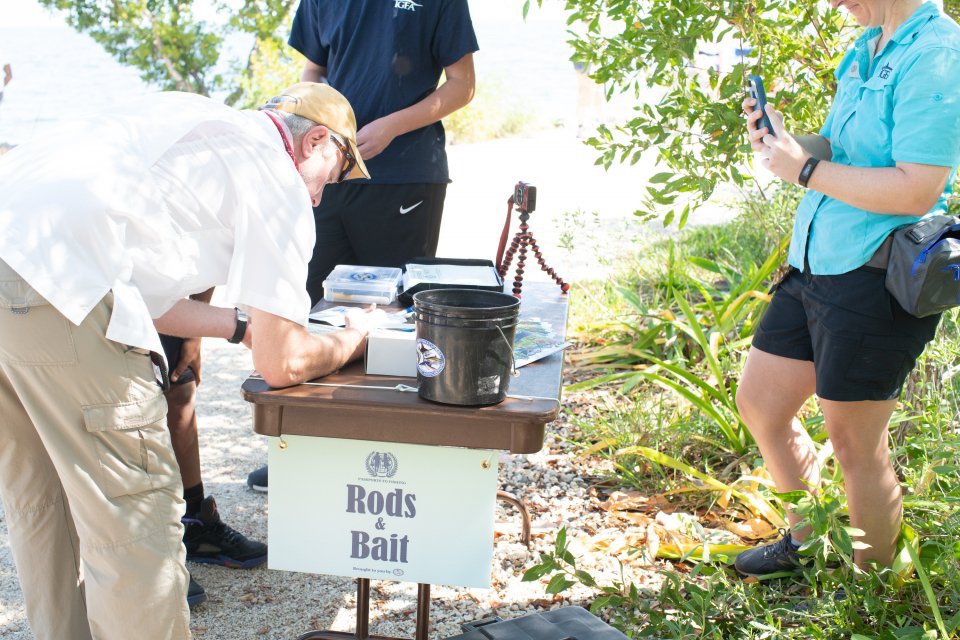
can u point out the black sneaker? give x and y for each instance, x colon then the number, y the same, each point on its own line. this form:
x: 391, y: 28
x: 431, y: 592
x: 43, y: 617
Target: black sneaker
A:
x: 777, y: 557
x: 257, y: 480
x: 195, y: 594
x: 210, y: 541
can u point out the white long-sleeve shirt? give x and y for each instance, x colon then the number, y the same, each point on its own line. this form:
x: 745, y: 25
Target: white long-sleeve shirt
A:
x: 158, y: 199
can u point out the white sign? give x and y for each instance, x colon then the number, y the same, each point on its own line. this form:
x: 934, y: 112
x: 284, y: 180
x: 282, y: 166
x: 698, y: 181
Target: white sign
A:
x: 381, y: 510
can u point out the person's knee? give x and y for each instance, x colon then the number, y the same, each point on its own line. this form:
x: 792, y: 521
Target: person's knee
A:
x: 856, y: 456
x: 748, y: 404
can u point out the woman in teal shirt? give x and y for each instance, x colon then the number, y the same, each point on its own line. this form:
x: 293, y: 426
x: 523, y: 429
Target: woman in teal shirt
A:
x: 886, y: 156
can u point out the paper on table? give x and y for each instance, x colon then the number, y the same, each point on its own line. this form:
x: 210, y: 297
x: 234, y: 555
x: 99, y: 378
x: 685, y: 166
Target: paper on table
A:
x: 337, y: 317
x: 534, y: 340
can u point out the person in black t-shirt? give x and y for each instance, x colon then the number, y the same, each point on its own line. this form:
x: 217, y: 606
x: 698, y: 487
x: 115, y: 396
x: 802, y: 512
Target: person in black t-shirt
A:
x: 387, y: 59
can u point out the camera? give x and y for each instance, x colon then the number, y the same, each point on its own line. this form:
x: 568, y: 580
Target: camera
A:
x: 525, y: 197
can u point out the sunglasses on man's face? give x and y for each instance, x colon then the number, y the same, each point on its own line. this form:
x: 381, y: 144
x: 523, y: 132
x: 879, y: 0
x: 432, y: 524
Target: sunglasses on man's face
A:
x: 349, y: 160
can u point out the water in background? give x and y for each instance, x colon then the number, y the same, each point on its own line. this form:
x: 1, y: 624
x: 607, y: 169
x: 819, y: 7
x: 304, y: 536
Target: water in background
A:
x: 59, y: 73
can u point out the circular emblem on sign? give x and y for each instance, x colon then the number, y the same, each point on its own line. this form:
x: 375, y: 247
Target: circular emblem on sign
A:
x: 363, y: 276
x: 398, y: 572
x: 381, y: 464
x: 430, y: 360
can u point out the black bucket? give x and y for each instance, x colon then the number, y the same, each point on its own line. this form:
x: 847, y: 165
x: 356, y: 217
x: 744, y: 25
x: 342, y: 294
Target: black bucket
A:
x: 465, y: 345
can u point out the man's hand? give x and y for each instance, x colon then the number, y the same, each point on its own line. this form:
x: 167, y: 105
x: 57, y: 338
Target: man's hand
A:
x: 364, y: 319
x: 189, y: 359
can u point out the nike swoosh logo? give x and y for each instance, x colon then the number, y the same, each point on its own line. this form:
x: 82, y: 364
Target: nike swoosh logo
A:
x: 404, y: 210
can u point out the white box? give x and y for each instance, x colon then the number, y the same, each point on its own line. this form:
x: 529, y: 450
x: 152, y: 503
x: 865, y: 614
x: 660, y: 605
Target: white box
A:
x: 391, y: 352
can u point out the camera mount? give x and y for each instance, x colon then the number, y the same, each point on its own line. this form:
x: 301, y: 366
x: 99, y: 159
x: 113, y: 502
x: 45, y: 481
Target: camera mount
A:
x: 524, y: 197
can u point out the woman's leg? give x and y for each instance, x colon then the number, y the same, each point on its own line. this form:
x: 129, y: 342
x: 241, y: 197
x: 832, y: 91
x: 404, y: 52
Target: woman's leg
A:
x: 772, y: 390
x: 858, y: 431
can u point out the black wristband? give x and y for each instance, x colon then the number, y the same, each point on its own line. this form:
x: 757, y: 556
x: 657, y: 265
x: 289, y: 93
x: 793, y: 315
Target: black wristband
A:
x: 241, y: 329
x: 807, y: 170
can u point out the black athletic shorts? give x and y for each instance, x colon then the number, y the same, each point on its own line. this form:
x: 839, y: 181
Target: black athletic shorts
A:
x: 171, y: 349
x: 378, y: 225
x: 860, y: 340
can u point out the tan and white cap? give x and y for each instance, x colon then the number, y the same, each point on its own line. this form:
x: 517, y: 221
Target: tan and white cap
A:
x: 324, y: 105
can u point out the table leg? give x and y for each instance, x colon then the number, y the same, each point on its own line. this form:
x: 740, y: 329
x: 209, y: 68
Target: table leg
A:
x: 521, y: 507
x: 363, y: 617
x: 423, y: 611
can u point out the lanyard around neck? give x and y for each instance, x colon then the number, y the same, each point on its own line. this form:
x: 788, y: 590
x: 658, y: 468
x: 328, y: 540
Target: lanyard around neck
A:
x: 283, y: 136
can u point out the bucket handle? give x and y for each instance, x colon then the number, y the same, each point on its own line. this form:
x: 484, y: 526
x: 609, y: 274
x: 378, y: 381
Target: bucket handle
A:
x: 513, y: 362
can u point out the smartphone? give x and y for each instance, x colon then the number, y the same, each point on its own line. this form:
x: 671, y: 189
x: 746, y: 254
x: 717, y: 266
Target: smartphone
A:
x: 757, y: 93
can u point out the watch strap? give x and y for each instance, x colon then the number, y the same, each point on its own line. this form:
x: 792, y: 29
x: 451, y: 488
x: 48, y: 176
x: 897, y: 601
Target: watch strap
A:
x: 807, y: 170
x: 241, y: 330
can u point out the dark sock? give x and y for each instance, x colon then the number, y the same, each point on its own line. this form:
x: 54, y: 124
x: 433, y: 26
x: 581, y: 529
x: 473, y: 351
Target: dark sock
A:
x: 194, y: 497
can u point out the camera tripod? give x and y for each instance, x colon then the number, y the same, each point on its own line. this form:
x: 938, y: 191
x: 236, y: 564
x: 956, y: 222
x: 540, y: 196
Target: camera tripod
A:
x: 525, y: 199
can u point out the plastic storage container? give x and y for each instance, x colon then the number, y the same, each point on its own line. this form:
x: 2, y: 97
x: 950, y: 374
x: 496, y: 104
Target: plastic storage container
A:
x: 351, y: 283
x: 568, y: 623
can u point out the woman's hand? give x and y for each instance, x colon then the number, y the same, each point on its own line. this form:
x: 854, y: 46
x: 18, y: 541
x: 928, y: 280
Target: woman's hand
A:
x: 781, y: 154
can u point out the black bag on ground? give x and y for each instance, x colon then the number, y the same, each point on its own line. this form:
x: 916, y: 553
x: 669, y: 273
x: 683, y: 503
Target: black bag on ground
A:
x: 567, y: 623
x: 923, y: 271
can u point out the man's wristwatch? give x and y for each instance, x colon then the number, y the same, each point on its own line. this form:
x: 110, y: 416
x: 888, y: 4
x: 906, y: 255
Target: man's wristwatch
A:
x: 241, y: 330
x: 807, y: 170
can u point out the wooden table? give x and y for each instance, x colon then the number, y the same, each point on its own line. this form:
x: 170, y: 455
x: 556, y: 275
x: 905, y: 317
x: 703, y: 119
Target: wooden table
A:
x: 349, y: 404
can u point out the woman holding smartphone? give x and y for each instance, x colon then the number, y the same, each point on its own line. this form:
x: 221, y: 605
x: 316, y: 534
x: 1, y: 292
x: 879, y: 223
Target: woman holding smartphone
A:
x: 886, y: 156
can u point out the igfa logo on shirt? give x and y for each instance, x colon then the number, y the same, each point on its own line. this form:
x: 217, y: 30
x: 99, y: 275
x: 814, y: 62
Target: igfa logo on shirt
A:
x: 409, y: 5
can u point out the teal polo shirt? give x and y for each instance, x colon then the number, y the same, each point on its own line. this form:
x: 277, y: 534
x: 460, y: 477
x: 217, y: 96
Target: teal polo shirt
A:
x: 903, y: 105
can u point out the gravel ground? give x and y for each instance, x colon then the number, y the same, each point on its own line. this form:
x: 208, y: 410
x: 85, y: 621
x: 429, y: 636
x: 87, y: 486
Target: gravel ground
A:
x: 555, y: 483
x: 274, y: 604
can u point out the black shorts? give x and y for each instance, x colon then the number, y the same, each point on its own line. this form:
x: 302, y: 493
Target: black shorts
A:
x: 377, y: 225
x: 860, y: 340
x: 171, y: 349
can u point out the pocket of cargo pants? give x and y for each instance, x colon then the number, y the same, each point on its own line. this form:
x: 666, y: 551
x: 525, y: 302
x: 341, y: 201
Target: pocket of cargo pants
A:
x: 133, y: 445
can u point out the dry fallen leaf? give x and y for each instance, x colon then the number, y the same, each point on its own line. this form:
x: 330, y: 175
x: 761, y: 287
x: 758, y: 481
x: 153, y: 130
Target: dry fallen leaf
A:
x: 652, y: 545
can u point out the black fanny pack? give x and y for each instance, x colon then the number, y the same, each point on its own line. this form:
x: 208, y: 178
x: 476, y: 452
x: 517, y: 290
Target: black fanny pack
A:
x: 923, y: 265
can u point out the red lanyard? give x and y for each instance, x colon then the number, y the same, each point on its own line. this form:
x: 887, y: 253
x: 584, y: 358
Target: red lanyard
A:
x: 283, y: 136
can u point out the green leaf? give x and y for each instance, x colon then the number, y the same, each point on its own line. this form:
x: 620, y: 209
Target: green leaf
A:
x: 558, y: 584
x: 792, y: 497
x: 928, y: 590
x: 536, y: 572
x: 586, y: 578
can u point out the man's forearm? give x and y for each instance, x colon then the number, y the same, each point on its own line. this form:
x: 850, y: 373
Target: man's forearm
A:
x: 194, y: 319
x: 285, y: 353
x: 452, y: 95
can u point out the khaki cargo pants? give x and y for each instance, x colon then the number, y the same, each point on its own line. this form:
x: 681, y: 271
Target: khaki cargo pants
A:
x: 89, y: 481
